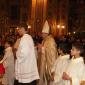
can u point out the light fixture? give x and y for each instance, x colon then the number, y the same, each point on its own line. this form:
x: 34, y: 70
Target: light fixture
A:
x: 63, y: 26
x: 58, y: 26
x: 29, y: 26
x: 74, y: 32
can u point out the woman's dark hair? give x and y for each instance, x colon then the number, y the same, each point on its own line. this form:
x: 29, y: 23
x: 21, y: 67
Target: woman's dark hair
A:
x: 80, y: 47
x: 10, y: 41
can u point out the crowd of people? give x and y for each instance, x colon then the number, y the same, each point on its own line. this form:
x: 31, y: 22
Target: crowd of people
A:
x: 41, y: 60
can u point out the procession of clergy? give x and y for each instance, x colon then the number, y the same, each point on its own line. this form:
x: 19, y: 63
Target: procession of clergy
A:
x: 55, y: 65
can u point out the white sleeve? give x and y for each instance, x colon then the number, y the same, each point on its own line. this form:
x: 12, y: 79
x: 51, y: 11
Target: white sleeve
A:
x: 60, y: 69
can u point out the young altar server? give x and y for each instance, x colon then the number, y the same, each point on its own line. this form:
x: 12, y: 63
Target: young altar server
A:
x: 60, y: 65
x: 75, y: 69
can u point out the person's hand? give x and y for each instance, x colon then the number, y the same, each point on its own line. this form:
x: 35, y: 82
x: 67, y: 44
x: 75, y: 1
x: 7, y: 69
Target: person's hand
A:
x: 66, y: 76
x: 82, y: 83
x: 1, y: 62
x: 40, y: 46
x: 52, y: 76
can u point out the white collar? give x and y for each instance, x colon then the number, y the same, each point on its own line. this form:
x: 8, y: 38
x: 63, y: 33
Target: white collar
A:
x: 77, y: 59
x: 67, y: 56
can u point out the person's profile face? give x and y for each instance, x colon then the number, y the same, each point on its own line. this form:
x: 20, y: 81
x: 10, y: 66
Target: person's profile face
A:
x: 6, y: 44
x: 44, y: 35
x: 74, y: 51
x: 20, y: 31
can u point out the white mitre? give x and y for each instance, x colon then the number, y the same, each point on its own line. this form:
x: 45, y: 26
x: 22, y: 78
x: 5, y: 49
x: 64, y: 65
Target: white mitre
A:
x: 46, y: 27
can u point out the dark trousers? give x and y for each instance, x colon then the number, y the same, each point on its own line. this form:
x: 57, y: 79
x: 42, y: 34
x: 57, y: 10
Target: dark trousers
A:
x: 18, y: 83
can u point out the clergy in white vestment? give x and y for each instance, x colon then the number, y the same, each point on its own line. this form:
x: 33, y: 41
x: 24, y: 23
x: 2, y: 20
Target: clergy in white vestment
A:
x: 26, y: 66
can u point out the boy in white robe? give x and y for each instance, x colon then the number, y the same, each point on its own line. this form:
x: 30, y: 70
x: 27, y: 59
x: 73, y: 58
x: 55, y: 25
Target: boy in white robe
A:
x: 60, y: 65
x: 74, y: 71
